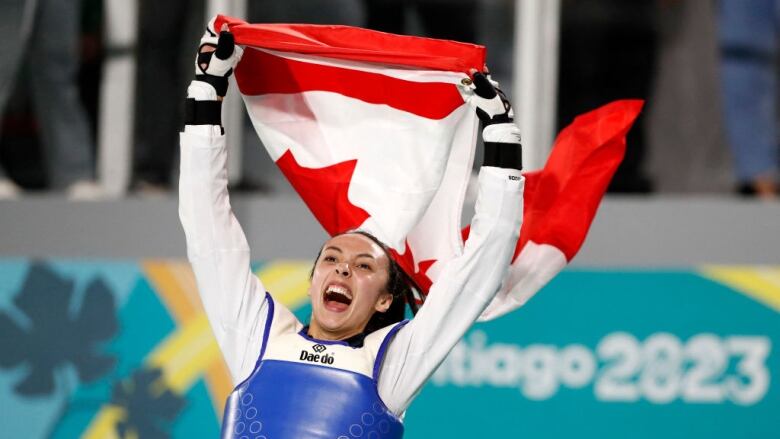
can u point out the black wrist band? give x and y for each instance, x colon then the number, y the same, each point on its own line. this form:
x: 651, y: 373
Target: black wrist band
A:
x: 202, y: 112
x: 503, y: 155
x: 220, y: 83
x: 499, y: 118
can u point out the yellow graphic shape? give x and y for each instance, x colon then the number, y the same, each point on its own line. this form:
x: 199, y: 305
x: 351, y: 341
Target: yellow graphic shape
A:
x: 190, y: 351
x: 186, y: 354
x: 175, y: 286
x: 103, y: 425
x: 287, y: 281
x: 759, y: 283
x: 183, y: 357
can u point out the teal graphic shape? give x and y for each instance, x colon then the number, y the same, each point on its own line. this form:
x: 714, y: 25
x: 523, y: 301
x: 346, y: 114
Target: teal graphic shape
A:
x: 198, y: 418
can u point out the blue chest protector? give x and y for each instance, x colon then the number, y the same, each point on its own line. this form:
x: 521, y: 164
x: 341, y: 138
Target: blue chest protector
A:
x: 307, y: 396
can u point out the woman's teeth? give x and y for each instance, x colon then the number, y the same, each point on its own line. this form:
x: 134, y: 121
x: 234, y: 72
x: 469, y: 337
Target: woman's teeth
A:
x: 337, y: 294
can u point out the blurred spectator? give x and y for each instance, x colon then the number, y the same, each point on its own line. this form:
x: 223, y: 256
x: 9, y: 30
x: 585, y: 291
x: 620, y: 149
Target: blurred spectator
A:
x: 346, y: 12
x: 90, y: 74
x: 608, y: 52
x: 749, y: 50
x: 394, y: 16
x: 44, y: 34
x: 166, y: 32
x: 687, y: 150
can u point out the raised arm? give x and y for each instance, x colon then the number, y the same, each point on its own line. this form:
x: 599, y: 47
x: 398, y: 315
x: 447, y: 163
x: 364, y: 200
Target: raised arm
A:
x: 232, y: 295
x: 468, y: 282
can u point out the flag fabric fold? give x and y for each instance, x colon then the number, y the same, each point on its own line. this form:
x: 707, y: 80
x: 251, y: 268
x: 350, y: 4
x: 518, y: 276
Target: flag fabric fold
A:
x: 373, y: 130
x: 357, y: 44
x: 561, y: 200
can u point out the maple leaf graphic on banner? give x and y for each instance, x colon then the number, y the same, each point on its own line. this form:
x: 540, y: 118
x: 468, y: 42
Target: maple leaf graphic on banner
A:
x: 324, y: 190
x: 419, y: 274
x: 51, y: 334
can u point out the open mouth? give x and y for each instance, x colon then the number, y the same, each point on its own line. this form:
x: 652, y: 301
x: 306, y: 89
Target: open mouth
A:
x: 337, y: 298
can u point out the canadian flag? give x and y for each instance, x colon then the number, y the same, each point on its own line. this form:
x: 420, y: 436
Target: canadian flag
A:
x: 373, y: 131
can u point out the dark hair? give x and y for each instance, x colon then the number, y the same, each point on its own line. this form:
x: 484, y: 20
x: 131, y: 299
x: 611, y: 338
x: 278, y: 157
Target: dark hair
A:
x: 399, y: 285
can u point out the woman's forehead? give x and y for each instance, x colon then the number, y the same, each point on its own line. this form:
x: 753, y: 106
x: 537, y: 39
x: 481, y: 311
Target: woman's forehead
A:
x: 355, y: 243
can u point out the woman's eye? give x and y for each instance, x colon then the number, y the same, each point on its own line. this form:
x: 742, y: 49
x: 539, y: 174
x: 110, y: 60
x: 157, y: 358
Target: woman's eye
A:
x: 329, y: 259
x: 364, y: 266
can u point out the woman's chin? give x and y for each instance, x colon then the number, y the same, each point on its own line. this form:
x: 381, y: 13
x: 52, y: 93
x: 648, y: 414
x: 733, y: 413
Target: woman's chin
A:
x: 332, y: 322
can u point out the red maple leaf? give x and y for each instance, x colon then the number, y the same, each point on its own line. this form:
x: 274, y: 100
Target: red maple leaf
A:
x: 418, y: 274
x: 324, y: 190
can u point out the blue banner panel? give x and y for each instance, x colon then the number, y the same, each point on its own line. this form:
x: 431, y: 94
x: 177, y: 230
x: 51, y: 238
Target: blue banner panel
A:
x: 107, y: 349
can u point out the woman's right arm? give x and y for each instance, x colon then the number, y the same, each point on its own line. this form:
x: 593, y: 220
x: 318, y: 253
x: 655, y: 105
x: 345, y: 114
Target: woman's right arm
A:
x: 233, y: 297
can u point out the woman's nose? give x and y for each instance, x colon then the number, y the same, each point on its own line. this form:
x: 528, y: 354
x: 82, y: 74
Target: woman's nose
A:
x: 342, y: 269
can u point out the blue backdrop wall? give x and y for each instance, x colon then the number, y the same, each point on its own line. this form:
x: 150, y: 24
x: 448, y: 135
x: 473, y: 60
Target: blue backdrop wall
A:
x: 115, y: 348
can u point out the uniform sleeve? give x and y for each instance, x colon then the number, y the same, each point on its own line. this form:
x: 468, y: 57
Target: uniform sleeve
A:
x: 464, y: 288
x: 233, y: 297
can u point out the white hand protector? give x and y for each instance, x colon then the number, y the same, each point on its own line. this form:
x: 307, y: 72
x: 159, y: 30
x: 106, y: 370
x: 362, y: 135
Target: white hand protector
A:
x: 501, y: 137
x: 214, y: 63
x: 217, y: 56
x: 490, y: 102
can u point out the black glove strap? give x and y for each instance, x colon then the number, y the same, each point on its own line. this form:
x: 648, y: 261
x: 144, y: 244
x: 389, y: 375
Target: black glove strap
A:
x: 499, y: 118
x: 503, y: 155
x: 202, y: 112
x: 220, y: 83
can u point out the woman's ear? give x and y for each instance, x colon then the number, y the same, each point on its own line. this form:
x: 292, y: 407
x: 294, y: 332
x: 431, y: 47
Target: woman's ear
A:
x: 383, y: 302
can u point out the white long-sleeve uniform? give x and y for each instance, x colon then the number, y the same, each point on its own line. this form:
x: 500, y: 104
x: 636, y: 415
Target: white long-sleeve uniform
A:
x: 234, y: 298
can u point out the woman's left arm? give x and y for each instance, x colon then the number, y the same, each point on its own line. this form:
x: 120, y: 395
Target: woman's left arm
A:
x: 468, y: 282
x: 463, y: 290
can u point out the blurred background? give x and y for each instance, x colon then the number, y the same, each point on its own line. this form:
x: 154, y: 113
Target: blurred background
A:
x: 667, y: 323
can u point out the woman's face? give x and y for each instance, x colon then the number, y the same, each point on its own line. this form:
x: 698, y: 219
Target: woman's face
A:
x: 348, y: 286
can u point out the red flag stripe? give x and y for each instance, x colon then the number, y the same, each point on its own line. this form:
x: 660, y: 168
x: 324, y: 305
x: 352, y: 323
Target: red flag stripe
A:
x: 357, y: 44
x: 263, y: 73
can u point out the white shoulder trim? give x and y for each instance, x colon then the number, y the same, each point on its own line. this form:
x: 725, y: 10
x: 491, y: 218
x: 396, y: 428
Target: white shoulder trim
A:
x: 284, y: 321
